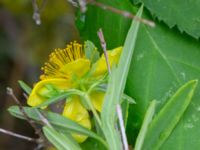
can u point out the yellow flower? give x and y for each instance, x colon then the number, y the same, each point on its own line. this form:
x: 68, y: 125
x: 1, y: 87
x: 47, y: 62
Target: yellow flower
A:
x: 65, y: 68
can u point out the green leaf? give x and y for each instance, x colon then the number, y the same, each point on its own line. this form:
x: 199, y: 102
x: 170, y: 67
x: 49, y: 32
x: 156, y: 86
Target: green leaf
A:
x: 169, y: 116
x: 108, y: 114
x: 91, y: 52
x: 59, y: 97
x: 91, y: 144
x: 25, y: 87
x: 164, y: 60
x: 129, y: 99
x: 147, y: 119
x: 125, y: 107
x: 183, y: 13
x: 51, y: 91
x: 59, y: 140
x: 114, y: 26
x: 116, y: 87
x: 60, y: 123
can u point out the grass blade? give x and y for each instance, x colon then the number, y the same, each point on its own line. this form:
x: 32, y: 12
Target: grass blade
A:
x: 116, y: 87
x: 169, y: 116
x: 147, y: 119
x: 59, y: 140
x: 61, y: 96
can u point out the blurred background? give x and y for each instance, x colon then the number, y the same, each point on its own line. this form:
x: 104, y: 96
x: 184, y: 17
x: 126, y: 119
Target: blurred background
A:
x: 24, y: 47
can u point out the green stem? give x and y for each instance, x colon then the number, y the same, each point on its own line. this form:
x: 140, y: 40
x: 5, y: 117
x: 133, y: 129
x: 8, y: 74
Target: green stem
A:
x: 96, y: 84
x: 87, y: 98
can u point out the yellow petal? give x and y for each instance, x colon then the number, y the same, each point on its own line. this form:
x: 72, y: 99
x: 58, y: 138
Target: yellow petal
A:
x: 76, y: 112
x: 39, y: 91
x: 78, y: 137
x: 78, y: 67
x: 113, y: 57
x: 97, y: 99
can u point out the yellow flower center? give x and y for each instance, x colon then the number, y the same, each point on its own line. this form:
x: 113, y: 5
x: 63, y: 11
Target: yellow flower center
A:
x: 59, y: 59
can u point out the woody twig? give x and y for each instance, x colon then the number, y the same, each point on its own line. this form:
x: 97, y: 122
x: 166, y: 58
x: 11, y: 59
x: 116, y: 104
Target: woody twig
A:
x: 103, y: 45
x: 121, y: 12
x: 19, y: 136
x: 41, y: 138
x: 122, y: 127
x: 37, y: 10
x: 43, y: 118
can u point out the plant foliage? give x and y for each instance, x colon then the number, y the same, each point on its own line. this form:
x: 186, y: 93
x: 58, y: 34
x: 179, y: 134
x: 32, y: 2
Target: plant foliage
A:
x: 157, y: 66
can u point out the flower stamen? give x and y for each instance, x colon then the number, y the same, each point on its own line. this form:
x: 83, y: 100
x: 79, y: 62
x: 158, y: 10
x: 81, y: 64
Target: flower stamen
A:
x: 59, y: 58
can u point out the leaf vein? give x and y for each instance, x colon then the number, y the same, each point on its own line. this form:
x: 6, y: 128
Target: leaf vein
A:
x: 162, y: 55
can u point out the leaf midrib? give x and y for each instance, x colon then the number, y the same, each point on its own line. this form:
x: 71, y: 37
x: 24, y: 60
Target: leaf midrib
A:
x: 162, y: 55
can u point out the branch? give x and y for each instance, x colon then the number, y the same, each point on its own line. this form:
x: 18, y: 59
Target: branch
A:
x: 43, y: 119
x: 73, y: 2
x: 82, y: 4
x: 122, y: 127
x: 29, y: 120
x: 121, y: 12
x: 36, y: 12
x: 103, y: 45
x: 19, y: 136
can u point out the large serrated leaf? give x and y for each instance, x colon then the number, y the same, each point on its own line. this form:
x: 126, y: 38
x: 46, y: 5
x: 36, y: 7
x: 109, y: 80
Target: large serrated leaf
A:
x: 183, y: 13
x: 164, y: 60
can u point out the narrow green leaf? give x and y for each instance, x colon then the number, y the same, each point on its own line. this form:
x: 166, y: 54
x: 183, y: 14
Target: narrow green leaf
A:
x: 91, y: 144
x: 60, y: 123
x: 129, y: 99
x: 125, y: 107
x: 124, y: 96
x: 59, y: 140
x: 147, y: 119
x: 126, y: 56
x: 169, y: 116
x: 25, y: 87
x: 108, y: 114
x: 59, y: 97
x: 116, y: 86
